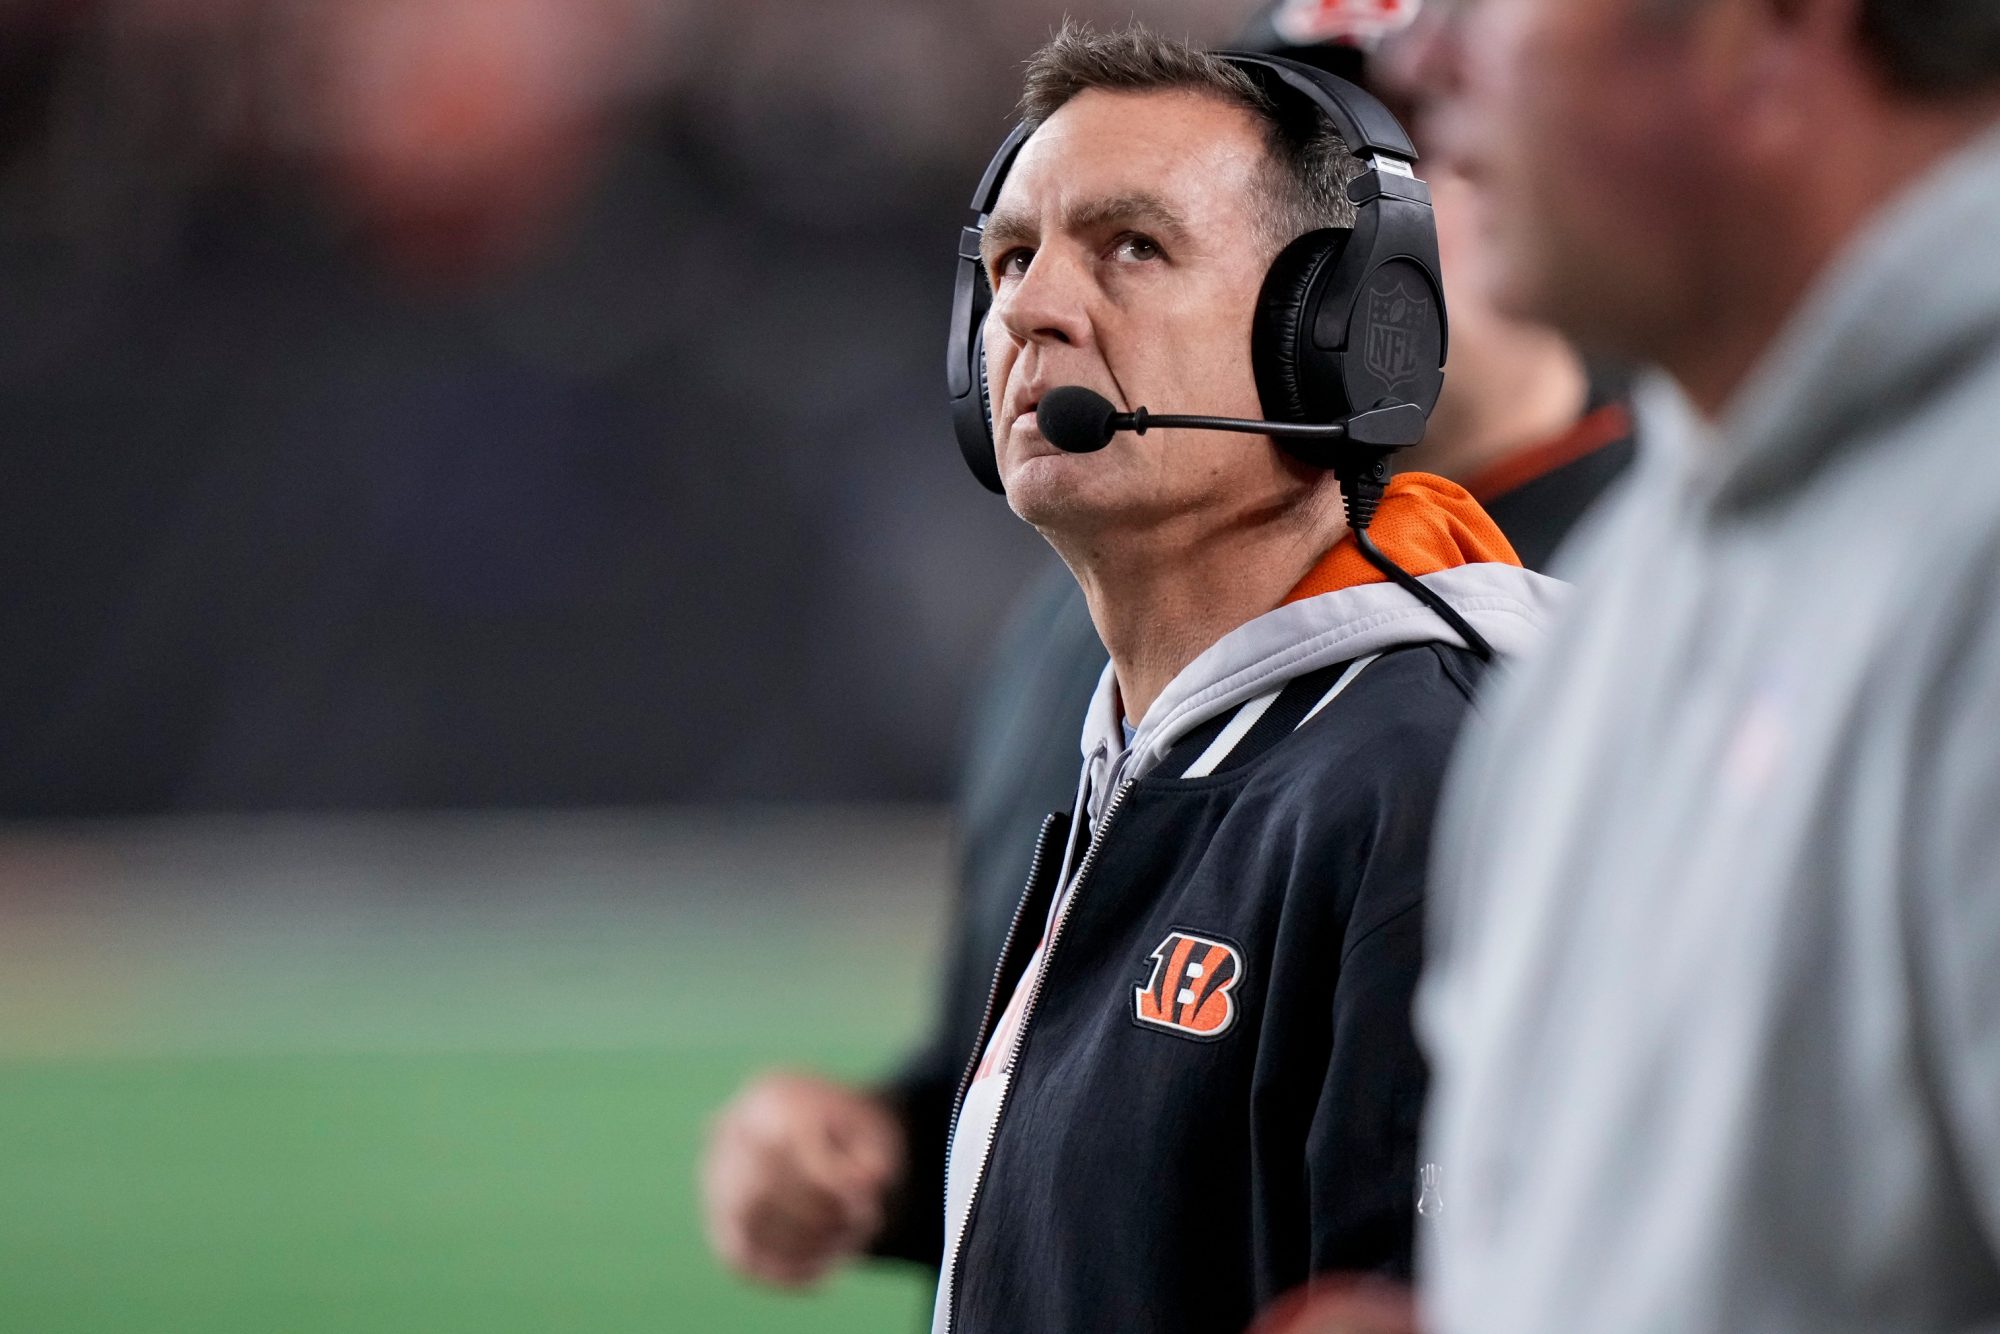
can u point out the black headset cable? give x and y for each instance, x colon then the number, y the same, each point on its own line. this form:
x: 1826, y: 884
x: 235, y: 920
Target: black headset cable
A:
x: 1362, y: 486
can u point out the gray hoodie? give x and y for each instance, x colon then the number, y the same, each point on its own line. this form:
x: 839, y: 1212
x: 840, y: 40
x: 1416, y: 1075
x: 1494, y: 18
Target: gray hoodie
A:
x: 1715, y: 994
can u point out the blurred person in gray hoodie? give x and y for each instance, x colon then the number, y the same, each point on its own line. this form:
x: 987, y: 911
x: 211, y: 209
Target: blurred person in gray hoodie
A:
x: 1715, y: 995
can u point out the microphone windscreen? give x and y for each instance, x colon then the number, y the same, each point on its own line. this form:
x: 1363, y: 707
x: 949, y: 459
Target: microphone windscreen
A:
x: 1074, y: 419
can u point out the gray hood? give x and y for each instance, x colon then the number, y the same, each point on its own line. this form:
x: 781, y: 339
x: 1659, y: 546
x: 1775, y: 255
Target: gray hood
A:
x: 1915, y: 305
x: 1508, y: 605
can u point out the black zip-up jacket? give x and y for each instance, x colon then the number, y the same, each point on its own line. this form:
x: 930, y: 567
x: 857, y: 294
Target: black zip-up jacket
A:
x: 1022, y: 762
x: 1180, y: 1146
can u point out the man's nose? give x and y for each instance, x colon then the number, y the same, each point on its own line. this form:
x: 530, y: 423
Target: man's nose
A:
x: 1049, y: 303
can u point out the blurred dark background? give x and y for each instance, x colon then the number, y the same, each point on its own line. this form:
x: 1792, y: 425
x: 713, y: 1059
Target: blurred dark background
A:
x: 424, y: 423
x: 415, y: 404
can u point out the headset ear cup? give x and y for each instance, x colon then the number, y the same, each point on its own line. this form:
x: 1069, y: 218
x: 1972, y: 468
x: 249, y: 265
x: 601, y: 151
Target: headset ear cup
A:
x: 1281, y: 347
x: 986, y: 403
x: 972, y: 417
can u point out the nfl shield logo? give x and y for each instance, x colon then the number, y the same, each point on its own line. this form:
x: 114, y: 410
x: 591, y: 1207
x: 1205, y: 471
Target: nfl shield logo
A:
x: 1395, y: 319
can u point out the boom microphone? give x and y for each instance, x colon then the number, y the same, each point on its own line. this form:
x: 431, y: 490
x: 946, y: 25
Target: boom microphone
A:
x: 1077, y: 420
x: 1081, y: 421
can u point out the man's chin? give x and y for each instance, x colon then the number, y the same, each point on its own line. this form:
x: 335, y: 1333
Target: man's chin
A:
x: 1587, y: 307
x: 1055, y: 488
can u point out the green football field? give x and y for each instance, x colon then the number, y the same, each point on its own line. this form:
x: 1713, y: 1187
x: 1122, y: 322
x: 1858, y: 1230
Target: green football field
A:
x: 428, y: 1076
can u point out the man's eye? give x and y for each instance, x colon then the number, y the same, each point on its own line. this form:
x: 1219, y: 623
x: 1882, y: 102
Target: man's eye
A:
x: 1136, y: 249
x: 1012, y: 264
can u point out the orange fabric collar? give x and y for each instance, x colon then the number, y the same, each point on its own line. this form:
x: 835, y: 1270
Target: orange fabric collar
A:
x: 1425, y: 524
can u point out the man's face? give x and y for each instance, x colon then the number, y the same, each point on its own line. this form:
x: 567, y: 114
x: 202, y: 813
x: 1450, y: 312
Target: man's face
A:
x: 1577, y: 122
x: 1126, y: 253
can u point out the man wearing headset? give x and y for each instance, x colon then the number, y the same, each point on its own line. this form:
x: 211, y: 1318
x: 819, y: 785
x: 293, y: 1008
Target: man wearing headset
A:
x: 1196, y: 1086
x: 805, y: 1172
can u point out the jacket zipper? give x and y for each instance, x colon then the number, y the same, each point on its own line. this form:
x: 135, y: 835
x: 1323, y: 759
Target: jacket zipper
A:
x: 1007, y: 944
x: 1021, y: 1030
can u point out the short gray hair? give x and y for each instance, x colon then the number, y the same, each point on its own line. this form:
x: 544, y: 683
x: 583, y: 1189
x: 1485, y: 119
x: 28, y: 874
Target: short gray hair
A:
x: 1312, y: 163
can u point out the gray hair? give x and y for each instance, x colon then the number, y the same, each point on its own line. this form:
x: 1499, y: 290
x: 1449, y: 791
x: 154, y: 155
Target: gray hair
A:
x: 1312, y: 164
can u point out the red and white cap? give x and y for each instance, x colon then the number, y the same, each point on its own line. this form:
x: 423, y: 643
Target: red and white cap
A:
x: 1362, y: 24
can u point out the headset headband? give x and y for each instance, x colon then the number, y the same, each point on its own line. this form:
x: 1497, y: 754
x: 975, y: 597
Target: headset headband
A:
x: 1367, y: 126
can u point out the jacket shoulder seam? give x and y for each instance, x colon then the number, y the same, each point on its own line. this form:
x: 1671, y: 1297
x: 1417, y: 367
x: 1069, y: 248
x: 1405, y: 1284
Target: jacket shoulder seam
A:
x: 1347, y: 952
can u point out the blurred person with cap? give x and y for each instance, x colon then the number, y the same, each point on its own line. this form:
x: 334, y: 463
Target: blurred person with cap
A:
x: 1716, y: 935
x: 1199, y: 1028
x: 1520, y: 423
x: 1528, y: 428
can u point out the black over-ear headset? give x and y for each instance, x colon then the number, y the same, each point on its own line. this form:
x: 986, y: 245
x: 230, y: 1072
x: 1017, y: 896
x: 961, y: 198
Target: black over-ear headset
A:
x: 1348, y: 320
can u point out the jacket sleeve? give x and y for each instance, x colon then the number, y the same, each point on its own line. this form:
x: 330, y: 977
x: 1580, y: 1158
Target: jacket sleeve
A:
x: 1361, y: 1147
x: 920, y: 1096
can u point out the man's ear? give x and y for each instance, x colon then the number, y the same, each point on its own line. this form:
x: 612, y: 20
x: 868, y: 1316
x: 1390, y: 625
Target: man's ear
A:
x: 1772, y: 59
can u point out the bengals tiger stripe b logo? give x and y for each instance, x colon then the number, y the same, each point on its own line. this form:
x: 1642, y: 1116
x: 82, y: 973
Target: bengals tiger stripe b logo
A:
x: 1188, y: 990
